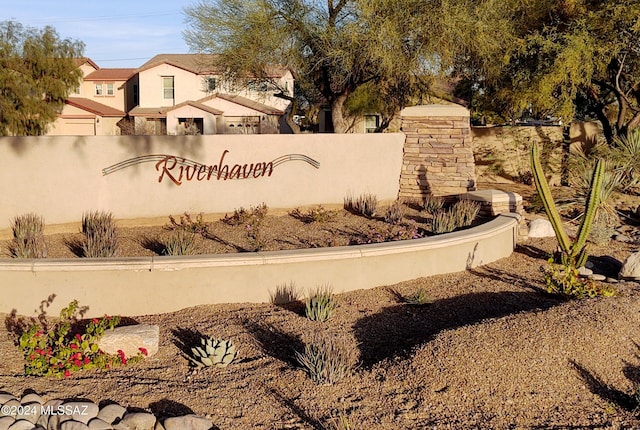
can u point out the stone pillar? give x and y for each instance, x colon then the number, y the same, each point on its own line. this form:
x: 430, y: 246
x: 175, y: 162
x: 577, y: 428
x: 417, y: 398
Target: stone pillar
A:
x: 438, y: 155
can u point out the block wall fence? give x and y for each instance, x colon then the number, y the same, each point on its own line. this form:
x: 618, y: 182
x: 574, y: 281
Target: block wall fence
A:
x: 62, y: 177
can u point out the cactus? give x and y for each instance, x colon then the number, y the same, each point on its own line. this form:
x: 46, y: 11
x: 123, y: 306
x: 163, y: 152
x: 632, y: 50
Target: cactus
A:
x: 574, y: 253
x: 213, y: 352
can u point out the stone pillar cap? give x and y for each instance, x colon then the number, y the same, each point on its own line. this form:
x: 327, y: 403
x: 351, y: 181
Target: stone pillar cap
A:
x: 435, y: 110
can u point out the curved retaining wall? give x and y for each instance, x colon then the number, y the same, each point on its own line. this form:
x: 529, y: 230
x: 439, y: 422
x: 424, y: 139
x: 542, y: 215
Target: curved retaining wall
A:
x: 149, y: 285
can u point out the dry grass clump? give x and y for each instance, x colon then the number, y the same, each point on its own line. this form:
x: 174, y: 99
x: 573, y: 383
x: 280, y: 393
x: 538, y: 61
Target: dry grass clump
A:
x: 364, y: 204
x: 100, y: 234
x: 327, y: 359
x: 28, y: 237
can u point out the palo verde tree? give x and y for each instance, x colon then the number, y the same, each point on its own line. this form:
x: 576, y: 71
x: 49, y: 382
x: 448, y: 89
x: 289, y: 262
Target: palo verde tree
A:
x: 334, y: 47
x: 566, y: 59
x: 37, y: 72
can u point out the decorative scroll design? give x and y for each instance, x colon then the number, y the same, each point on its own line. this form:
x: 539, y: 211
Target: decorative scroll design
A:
x: 178, y: 169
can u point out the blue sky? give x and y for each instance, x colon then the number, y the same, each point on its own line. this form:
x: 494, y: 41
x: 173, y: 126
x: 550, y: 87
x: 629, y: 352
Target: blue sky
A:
x: 116, y: 33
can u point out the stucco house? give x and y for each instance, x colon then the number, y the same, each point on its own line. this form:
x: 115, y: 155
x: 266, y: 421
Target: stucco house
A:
x: 173, y: 94
x: 98, y: 105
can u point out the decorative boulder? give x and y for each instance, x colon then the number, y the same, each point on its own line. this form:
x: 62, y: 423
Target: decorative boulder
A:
x: 631, y: 267
x: 130, y: 339
x: 541, y: 227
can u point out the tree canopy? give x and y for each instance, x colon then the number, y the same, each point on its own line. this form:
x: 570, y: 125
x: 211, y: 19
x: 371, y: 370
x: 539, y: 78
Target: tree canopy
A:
x: 334, y: 47
x: 37, y: 71
x: 566, y: 59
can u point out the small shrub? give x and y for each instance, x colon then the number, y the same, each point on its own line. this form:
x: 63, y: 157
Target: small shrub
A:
x: 188, y: 224
x: 443, y: 221
x: 56, y: 352
x: 465, y: 212
x: 213, y: 352
x: 432, y: 204
x: 321, y: 304
x: 28, y: 237
x: 563, y: 279
x: 100, y: 235
x: 419, y: 298
x: 317, y: 214
x: 326, y: 359
x: 365, y: 204
x: 394, y: 213
x: 247, y: 216
x: 180, y: 242
x: 388, y: 233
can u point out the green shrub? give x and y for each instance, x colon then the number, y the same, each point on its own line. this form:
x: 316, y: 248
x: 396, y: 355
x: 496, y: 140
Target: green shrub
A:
x: 28, y: 237
x: 188, y: 224
x: 100, y: 234
x: 394, y: 213
x: 180, y: 242
x: 321, y: 304
x: 326, y: 359
x: 419, y: 298
x: 365, y: 204
x: 56, y: 352
x: 563, y: 279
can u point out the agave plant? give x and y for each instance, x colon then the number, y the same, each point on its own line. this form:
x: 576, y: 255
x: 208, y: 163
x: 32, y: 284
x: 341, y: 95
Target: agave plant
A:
x: 213, y: 352
x: 573, y: 252
x: 320, y: 305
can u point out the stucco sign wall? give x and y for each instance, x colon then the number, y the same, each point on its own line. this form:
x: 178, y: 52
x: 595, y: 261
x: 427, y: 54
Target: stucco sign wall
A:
x: 179, y: 169
x: 61, y: 177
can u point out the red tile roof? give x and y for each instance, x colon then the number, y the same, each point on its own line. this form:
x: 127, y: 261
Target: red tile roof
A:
x: 110, y: 75
x: 94, y: 107
x: 200, y: 64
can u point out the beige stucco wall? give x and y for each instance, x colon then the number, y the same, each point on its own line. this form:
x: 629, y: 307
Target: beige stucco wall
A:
x: 139, y: 286
x: 61, y: 177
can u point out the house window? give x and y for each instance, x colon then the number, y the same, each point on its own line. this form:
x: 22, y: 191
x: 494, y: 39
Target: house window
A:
x: 371, y: 123
x: 211, y: 84
x: 110, y: 89
x: 98, y: 89
x: 135, y: 95
x: 167, y: 87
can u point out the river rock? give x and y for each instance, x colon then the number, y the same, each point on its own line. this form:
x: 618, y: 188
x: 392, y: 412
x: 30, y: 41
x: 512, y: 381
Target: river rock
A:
x: 130, y: 339
x: 139, y: 421
x: 190, y: 422
x: 631, y: 267
x: 541, y: 227
x: 111, y: 413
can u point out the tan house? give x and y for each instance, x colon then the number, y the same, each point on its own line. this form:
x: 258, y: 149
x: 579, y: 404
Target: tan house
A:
x: 173, y: 94
x: 183, y: 93
x: 98, y: 105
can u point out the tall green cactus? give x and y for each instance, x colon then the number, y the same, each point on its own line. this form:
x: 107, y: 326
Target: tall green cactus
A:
x: 574, y: 253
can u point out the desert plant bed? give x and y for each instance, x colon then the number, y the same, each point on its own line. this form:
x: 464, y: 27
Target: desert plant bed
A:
x: 252, y: 229
x: 488, y: 348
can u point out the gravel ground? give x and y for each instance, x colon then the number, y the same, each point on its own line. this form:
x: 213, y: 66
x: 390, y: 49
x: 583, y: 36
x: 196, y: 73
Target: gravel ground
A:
x: 491, y: 351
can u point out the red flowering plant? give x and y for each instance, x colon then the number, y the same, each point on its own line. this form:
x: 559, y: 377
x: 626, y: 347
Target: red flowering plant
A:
x: 56, y: 352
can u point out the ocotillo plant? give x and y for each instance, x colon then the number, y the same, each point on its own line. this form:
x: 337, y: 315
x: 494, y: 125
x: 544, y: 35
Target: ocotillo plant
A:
x: 574, y: 253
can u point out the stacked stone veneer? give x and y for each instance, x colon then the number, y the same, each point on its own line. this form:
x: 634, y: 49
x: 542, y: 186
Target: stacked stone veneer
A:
x: 438, y: 154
